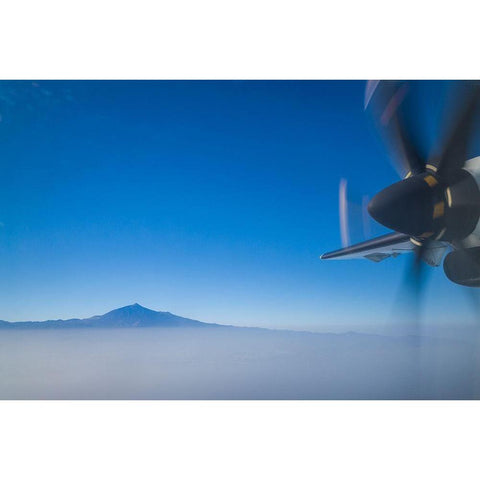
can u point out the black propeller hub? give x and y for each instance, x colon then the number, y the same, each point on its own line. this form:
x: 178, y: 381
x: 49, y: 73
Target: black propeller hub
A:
x: 414, y: 206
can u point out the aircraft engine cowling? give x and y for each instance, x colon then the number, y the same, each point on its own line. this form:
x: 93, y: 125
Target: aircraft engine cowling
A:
x: 463, y: 267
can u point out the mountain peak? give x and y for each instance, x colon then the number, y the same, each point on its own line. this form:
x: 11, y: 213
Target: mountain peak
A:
x: 134, y: 315
x: 134, y: 307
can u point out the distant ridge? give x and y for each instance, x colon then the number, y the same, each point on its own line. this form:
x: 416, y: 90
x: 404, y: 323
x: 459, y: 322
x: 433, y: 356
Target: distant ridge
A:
x: 131, y: 316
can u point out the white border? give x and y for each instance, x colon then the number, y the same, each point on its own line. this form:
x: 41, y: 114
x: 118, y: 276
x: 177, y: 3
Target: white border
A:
x: 249, y: 39
x: 305, y: 39
x: 239, y: 440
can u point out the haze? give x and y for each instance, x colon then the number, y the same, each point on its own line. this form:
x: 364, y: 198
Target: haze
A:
x: 231, y: 363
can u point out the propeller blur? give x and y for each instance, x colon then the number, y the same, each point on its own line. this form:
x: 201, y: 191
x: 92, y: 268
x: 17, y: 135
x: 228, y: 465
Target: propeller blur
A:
x: 435, y: 207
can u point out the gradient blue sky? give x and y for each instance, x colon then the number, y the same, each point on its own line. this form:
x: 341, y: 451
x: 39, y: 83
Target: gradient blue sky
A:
x: 212, y: 200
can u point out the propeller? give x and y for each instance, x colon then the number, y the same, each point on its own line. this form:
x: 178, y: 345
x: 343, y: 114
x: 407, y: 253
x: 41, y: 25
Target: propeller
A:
x: 355, y: 224
x: 436, y: 200
x: 387, y: 101
x: 453, y: 152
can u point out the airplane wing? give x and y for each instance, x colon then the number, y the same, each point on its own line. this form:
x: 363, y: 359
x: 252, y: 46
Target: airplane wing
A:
x: 390, y: 245
x: 376, y: 249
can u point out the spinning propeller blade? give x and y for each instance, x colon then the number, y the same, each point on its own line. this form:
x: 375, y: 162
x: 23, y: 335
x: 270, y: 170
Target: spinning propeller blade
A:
x: 417, y: 206
x: 387, y: 102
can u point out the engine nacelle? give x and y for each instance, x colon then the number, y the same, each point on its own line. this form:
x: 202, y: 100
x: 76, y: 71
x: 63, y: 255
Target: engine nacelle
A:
x: 463, y: 267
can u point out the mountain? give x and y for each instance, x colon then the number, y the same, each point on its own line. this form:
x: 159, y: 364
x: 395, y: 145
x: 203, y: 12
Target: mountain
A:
x: 131, y: 316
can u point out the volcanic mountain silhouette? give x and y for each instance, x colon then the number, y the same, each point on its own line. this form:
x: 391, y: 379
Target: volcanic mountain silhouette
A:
x: 131, y: 316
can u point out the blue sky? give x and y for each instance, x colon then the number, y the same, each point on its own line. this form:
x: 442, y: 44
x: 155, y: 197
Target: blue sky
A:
x: 212, y: 200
